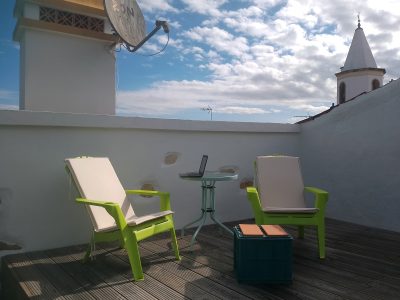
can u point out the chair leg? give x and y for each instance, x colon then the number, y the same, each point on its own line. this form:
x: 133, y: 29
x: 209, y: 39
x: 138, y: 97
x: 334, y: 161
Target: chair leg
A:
x: 132, y: 248
x: 91, y: 247
x: 321, y: 239
x: 301, y: 232
x: 86, y: 257
x: 175, y: 244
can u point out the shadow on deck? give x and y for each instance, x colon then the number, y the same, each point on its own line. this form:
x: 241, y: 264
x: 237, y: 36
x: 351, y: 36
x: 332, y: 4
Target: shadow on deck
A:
x: 362, y: 263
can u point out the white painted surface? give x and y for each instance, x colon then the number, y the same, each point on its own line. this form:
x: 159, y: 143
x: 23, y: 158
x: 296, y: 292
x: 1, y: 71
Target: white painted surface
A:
x: 31, y: 11
x: 38, y: 212
x: 359, y: 69
x: 358, y: 82
x: 360, y: 54
x: 65, y: 73
x: 354, y: 153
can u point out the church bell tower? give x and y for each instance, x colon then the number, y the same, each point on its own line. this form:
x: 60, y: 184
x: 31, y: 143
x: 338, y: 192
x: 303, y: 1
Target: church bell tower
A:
x: 360, y: 73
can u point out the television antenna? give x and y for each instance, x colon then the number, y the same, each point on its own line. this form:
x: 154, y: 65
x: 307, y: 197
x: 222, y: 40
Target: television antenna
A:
x: 127, y: 20
x: 209, y: 110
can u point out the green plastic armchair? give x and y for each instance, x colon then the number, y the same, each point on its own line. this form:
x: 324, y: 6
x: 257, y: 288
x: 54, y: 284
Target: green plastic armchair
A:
x: 278, y: 197
x: 111, y: 212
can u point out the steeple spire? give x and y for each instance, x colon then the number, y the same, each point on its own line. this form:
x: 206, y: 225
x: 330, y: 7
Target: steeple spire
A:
x: 360, y: 55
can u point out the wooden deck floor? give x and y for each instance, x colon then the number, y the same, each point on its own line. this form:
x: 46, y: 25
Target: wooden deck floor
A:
x: 362, y: 263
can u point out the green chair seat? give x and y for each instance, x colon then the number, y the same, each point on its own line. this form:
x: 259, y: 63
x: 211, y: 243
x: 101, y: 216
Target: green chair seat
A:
x: 111, y: 212
x: 278, y: 197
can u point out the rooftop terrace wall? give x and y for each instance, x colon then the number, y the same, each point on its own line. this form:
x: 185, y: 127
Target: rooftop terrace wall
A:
x: 354, y: 152
x: 37, y: 210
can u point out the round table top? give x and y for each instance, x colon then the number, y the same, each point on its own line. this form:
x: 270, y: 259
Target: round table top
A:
x: 214, y: 176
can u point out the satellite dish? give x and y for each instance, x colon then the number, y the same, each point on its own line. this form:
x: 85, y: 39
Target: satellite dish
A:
x: 128, y: 22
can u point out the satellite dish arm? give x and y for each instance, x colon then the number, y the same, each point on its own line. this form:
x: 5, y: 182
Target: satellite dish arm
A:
x: 159, y: 24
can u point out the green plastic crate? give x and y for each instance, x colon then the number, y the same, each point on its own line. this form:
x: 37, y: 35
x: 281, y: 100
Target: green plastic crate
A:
x: 262, y: 259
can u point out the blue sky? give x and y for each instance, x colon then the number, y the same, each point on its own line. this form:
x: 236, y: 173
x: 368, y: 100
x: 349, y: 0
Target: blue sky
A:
x: 249, y: 60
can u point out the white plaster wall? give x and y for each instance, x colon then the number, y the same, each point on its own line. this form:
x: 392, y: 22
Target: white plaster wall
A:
x: 354, y: 153
x: 356, y: 84
x: 65, y: 73
x: 36, y: 210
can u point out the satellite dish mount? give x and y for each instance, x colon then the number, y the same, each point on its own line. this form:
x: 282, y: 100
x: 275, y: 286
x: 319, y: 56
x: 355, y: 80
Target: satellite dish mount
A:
x: 159, y: 24
x: 127, y: 20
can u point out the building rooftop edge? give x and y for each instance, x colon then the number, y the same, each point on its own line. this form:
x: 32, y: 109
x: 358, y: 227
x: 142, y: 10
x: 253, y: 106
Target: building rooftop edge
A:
x: 52, y: 119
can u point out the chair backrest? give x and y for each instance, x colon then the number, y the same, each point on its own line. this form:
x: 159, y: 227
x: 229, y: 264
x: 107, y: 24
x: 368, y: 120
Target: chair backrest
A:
x: 279, y: 182
x: 96, y: 179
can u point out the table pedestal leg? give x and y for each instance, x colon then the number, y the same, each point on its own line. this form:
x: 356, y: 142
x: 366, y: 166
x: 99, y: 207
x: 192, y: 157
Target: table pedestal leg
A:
x: 212, y: 215
x: 207, y: 206
x: 202, y: 216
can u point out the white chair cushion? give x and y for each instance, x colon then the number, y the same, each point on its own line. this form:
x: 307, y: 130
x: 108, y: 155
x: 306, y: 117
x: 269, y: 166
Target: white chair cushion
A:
x: 279, y: 182
x: 277, y: 210
x: 96, y: 179
x: 139, y: 220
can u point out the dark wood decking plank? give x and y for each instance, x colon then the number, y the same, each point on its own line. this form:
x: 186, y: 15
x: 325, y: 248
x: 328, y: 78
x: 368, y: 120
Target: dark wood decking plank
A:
x: 151, y: 285
x: 335, y: 284
x: 362, y: 263
x: 335, y: 275
x: 198, y: 270
x: 89, y: 280
x: 315, y: 289
x: 205, y: 284
x: 332, y: 283
x: 64, y: 283
x: 362, y: 269
x: 150, y: 258
x: 180, y: 278
x: 365, y: 231
x: 359, y: 241
x: 29, y: 281
x: 201, y: 251
x: 347, y: 255
x: 381, y: 290
x: 378, y: 249
x: 221, y: 237
x: 111, y: 273
x: 285, y: 292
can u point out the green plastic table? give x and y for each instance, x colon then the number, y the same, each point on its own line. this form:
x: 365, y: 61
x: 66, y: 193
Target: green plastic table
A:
x: 208, y: 199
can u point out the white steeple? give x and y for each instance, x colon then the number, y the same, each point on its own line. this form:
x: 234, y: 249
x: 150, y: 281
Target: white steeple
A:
x: 360, y: 72
x: 360, y: 54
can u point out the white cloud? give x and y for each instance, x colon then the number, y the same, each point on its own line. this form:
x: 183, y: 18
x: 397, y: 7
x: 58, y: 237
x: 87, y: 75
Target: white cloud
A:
x: 154, y: 6
x: 207, y: 7
x: 219, y: 39
x: 9, y: 106
x: 260, y: 62
x: 7, y: 99
x: 266, y: 3
x: 8, y: 95
x: 241, y: 110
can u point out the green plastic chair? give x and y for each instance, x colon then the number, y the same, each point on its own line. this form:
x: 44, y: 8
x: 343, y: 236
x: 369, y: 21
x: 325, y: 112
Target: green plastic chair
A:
x: 111, y: 212
x: 278, y: 197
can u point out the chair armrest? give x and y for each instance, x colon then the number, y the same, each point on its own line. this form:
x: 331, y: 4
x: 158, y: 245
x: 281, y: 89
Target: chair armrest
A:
x: 165, y: 203
x: 252, y: 196
x: 105, y: 204
x: 321, y: 196
x: 112, y: 208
